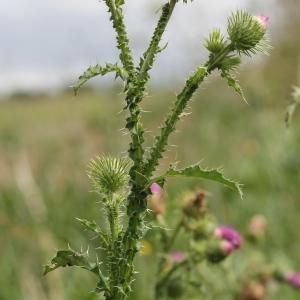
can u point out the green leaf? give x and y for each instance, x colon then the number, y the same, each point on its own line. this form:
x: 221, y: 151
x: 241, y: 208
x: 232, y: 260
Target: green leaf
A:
x: 196, y: 171
x: 93, y: 226
x: 232, y: 82
x: 70, y: 258
x: 92, y: 72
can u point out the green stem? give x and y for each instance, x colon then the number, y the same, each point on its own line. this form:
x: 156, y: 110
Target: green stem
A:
x: 183, y: 98
x: 137, y: 198
x: 162, y: 282
x: 180, y: 105
x: 150, y: 54
x: 122, y: 39
x: 174, y: 236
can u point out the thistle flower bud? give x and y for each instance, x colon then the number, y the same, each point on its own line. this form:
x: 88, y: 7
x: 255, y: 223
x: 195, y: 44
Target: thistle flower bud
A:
x: 228, y: 234
x: 217, y: 251
x: 264, y: 20
x: 254, y: 291
x: 178, y: 256
x: 257, y: 228
x: 293, y: 279
x: 155, y: 188
x: 246, y: 31
x: 196, y: 206
x: 203, y: 229
x: 157, y: 200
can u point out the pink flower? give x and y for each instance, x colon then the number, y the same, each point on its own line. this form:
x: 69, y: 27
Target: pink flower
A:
x: 227, y: 247
x: 293, y: 279
x: 155, y: 188
x: 263, y: 20
x: 230, y: 235
x: 178, y: 256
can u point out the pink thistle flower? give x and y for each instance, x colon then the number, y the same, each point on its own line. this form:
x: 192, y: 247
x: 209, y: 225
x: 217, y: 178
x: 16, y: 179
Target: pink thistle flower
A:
x: 155, y: 188
x: 293, y: 279
x: 227, y: 247
x: 230, y: 235
x: 178, y: 256
x: 263, y: 20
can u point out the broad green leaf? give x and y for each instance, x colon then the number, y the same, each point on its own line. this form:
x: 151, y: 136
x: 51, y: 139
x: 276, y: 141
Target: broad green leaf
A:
x: 232, y: 82
x: 196, y: 171
x: 98, y: 70
x: 70, y: 258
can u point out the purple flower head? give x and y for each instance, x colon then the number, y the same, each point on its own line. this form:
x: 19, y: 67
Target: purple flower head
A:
x: 155, y: 188
x: 293, y: 279
x: 263, y: 20
x: 230, y: 235
x: 178, y: 256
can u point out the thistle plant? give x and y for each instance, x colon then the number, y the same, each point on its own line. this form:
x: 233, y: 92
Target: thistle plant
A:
x: 125, y: 184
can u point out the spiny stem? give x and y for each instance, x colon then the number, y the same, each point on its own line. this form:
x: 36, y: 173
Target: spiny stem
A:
x: 146, y: 62
x: 136, y: 92
x: 122, y: 39
x: 183, y: 98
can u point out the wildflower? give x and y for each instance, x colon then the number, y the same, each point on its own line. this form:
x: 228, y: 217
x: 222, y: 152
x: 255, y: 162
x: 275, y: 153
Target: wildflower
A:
x: 178, y: 256
x: 293, y: 279
x: 227, y: 247
x: 229, y: 234
x: 155, y: 188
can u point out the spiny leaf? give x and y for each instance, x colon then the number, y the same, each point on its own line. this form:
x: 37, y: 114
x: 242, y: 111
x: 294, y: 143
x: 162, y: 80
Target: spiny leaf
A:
x: 70, y: 258
x: 232, y: 82
x: 98, y: 70
x: 197, y: 171
x: 93, y: 226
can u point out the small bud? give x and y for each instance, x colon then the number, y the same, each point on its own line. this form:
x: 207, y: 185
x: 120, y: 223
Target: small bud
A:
x: 178, y: 256
x: 155, y: 188
x: 217, y: 251
x: 196, y: 206
x: 293, y: 279
x: 257, y: 228
x: 254, y: 291
x: 157, y: 202
x: 175, y: 288
x: 202, y: 229
x: 246, y: 31
x: 229, y: 234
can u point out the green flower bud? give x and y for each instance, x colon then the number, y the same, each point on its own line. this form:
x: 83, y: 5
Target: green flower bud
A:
x: 246, y: 32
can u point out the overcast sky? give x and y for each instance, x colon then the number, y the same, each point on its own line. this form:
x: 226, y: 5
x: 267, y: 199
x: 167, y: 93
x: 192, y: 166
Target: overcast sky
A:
x: 46, y: 44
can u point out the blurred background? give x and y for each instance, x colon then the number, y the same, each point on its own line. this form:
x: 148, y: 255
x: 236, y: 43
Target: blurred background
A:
x: 47, y: 136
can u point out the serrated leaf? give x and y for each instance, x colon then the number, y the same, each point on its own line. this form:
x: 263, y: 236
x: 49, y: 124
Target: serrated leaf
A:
x: 196, y: 171
x: 97, y: 70
x: 93, y: 226
x: 70, y: 258
x: 232, y: 82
